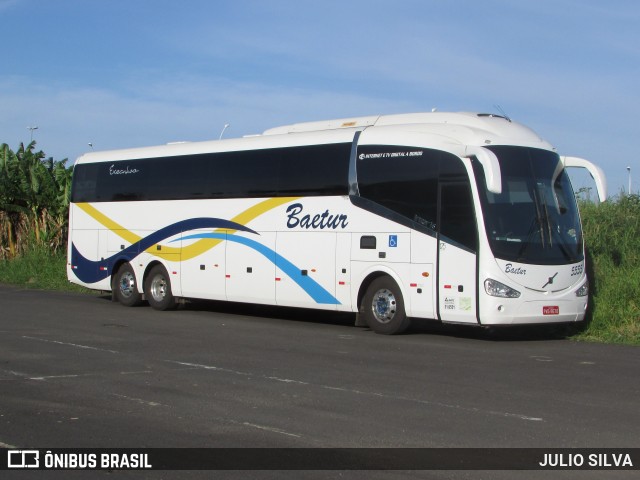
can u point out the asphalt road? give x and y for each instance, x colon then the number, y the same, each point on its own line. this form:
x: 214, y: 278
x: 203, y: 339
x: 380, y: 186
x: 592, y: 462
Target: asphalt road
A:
x: 80, y: 371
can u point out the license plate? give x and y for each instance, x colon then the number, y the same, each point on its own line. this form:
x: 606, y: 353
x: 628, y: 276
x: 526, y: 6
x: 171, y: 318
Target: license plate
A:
x: 551, y: 310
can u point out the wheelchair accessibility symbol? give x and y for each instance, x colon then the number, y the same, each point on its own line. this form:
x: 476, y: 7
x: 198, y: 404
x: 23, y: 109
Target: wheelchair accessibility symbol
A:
x: 393, y: 241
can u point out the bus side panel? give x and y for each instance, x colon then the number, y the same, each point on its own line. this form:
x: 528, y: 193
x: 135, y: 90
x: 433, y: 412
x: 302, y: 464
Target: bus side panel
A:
x: 204, y: 275
x: 115, y: 242
x: 457, y: 289
x: 388, y: 247
x: 70, y: 275
x: 343, y: 274
x: 423, y: 260
x: 86, y: 242
x: 421, y: 292
x: 251, y: 267
x: 306, y: 263
x: 89, y: 241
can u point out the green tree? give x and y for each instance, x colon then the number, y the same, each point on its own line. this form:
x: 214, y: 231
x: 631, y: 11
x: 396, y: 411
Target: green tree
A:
x: 34, y: 199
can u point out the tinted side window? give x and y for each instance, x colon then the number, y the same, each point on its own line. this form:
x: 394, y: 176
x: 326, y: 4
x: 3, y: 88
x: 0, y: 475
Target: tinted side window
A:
x: 406, y: 180
x: 84, y: 183
x: 402, y: 179
x: 315, y: 170
x: 457, y: 215
x: 244, y: 174
x: 293, y: 171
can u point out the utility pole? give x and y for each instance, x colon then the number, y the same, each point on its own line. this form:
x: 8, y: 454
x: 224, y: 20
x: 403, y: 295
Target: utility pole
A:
x: 32, y: 129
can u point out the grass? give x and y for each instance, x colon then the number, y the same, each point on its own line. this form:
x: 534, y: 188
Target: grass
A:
x: 39, y: 269
x: 612, y: 236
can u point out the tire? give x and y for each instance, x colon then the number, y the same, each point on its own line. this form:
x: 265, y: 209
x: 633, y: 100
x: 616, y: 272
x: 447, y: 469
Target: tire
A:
x: 383, y: 307
x: 125, y: 286
x: 157, y: 289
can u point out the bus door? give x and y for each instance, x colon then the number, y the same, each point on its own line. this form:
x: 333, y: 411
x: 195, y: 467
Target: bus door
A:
x: 457, y: 252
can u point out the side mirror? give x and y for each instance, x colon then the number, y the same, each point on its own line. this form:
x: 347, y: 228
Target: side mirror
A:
x: 491, y: 166
x: 596, y: 173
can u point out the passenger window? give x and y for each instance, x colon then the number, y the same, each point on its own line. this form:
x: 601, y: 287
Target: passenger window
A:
x: 402, y: 179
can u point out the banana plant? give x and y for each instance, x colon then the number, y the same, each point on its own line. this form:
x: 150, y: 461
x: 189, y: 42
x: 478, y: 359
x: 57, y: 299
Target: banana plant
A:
x: 34, y: 199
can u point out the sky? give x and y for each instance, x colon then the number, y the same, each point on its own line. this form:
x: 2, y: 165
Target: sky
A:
x: 131, y: 73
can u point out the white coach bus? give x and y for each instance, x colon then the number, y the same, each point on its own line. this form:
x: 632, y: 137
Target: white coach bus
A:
x: 461, y: 217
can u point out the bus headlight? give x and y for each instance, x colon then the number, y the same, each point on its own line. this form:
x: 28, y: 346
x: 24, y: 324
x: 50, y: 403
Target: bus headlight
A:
x: 583, y: 291
x: 497, y: 289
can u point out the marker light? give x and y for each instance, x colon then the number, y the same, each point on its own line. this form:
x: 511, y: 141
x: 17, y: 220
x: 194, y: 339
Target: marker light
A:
x: 497, y: 289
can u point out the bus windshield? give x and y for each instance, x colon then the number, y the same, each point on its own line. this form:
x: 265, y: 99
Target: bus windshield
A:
x: 535, y: 219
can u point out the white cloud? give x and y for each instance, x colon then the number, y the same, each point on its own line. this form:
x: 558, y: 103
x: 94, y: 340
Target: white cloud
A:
x: 574, y: 113
x: 257, y: 65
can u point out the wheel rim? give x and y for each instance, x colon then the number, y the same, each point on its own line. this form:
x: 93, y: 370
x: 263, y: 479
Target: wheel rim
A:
x: 158, y: 288
x: 127, y: 284
x: 383, y: 305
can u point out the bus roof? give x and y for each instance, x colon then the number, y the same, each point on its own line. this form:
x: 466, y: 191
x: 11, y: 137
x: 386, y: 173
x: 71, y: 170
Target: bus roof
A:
x: 463, y: 127
x: 495, y: 125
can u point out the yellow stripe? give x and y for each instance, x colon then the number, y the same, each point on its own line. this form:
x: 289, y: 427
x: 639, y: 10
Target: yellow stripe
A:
x: 196, y: 248
x: 243, y: 218
x: 107, y: 222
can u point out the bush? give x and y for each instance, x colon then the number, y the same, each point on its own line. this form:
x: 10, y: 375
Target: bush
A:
x: 612, y: 237
x: 34, y: 200
x: 37, y: 268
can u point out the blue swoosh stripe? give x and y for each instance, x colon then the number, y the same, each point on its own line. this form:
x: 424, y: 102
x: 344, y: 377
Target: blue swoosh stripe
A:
x: 90, y: 271
x: 308, y: 284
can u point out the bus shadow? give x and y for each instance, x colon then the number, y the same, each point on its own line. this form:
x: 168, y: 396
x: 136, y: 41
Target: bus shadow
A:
x: 507, y: 333
x: 274, y: 312
x: 254, y: 310
x: 418, y: 326
x: 347, y: 319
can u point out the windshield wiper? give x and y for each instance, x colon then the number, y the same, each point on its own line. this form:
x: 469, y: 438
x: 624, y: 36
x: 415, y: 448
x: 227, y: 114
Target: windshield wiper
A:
x: 537, y: 225
x: 547, y: 221
x: 560, y: 244
x: 536, y: 202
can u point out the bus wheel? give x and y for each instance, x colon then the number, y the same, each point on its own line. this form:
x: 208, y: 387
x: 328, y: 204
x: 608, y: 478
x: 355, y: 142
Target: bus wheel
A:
x: 125, y: 287
x: 157, y: 289
x: 384, y: 307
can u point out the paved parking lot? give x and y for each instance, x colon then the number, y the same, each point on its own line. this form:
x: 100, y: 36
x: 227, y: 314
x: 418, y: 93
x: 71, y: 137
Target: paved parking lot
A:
x: 81, y: 371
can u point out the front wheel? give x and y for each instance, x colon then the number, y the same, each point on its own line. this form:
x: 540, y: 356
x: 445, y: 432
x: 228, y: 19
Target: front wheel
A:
x: 157, y: 289
x: 383, y: 307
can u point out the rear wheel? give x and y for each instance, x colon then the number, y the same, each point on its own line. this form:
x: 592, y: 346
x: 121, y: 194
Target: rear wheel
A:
x: 383, y: 307
x: 157, y: 289
x: 125, y: 286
